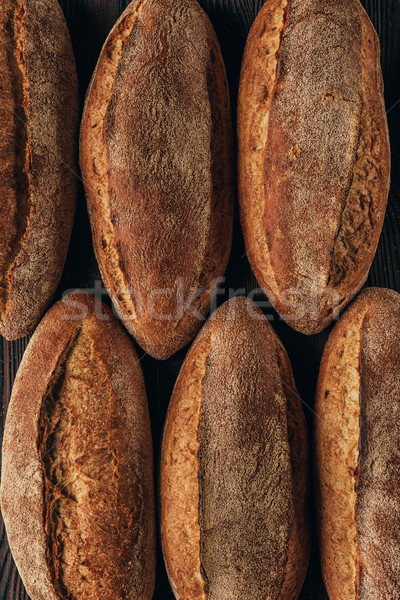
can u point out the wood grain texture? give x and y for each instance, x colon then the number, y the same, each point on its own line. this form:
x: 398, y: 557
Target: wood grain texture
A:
x: 90, y: 21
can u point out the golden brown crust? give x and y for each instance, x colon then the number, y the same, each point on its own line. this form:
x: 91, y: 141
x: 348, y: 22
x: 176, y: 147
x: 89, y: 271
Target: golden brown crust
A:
x: 179, y: 479
x: 39, y: 118
x: 249, y: 538
x: 257, y: 85
x: 337, y: 434
x: 357, y: 465
x: 156, y: 158
x: 77, y: 488
x: 314, y: 157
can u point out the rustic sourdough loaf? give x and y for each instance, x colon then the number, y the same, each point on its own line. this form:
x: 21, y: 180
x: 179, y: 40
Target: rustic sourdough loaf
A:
x: 314, y: 156
x: 234, y: 466
x: 77, y: 472
x: 38, y: 131
x: 357, y: 443
x: 156, y: 157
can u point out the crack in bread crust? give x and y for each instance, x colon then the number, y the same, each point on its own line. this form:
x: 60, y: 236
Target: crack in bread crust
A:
x: 257, y: 86
x: 14, y: 143
x: 97, y: 164
x: 80, y: 461
x: 362, y: 217
x: 338, y: 410
x: 180, y: 486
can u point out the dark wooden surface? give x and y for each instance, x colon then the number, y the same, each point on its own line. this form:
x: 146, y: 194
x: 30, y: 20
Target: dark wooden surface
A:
x: 90, y: 22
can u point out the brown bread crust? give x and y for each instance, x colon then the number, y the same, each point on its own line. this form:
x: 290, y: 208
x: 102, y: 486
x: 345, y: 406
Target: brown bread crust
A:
x: 77, y: 484
x: 38, y: 118
x: 156, y: 156
x: 314, y: 156
x: 234, y: 465
x: 179, y: 477
x: 357, y: 464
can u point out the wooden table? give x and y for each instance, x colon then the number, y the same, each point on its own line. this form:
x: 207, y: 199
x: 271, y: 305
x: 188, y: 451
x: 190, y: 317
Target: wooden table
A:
x: 89, y: 22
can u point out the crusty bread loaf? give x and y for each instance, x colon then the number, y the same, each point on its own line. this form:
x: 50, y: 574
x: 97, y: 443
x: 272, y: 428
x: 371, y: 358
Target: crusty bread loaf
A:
x: 314, y: 156
x: 38, y: 133
x: 156, y: 158
x: 77, y: 481
x: 357, y: 443
x: 234, y: 466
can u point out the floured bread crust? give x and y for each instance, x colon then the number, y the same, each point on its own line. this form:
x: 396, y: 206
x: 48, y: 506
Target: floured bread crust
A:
x: 77, y: 475
x: 156, y: 156
x: 357, y: 466
x: 234, y: 466
x: 314, y: 156
x: 39, y: 108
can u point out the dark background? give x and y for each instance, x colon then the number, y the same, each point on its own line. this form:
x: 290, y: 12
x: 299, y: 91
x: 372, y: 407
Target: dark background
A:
x: 90, y: 21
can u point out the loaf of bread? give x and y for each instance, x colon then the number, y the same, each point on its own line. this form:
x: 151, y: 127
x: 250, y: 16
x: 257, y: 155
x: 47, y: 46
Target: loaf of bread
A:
x: 314, y: 156
x: 234, y: 466
x: 357, y: 441
x: 39, y: 110
x: 77, y: 471
x: 156, y: 157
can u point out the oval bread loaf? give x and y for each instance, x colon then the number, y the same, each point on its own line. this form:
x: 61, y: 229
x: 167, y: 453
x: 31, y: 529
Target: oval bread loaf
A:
x: 314, y: 155
x: 234, y: 466
x: 77, y: 472
x: 39, y: 108
x: 357, y: 443
x: 156, y: 157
